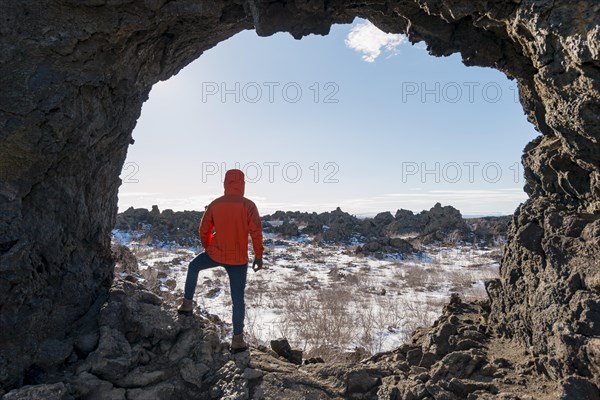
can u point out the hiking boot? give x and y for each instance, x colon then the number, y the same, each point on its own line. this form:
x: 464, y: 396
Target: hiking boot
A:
x: 186, y: 307
x: 237, y: 344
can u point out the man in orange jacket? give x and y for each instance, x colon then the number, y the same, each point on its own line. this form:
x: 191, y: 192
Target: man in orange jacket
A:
x: 224, y: 235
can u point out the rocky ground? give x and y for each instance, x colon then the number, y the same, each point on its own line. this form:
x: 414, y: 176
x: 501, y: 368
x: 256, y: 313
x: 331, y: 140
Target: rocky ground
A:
x: 144, y: 350
x: 139, y: 348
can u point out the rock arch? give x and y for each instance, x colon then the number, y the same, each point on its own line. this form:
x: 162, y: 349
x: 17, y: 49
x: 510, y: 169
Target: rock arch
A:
x: 74, y: 75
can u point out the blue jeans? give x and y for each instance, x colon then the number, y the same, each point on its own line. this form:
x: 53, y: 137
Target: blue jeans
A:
x: 237, y: 285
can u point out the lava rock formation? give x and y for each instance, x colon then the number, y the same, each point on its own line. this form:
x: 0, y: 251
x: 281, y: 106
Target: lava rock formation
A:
x: 74, y: 76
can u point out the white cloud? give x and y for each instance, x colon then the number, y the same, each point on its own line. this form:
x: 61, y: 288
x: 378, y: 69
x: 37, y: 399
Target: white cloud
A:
x: 366, y: 38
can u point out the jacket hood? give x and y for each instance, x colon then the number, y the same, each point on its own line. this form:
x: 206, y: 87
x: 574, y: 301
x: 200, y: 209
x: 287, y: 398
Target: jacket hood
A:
x: 234, y: 182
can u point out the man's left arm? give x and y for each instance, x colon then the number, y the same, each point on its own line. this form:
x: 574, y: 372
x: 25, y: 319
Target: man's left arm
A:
x: 206, y: 227
x: 255, y: 229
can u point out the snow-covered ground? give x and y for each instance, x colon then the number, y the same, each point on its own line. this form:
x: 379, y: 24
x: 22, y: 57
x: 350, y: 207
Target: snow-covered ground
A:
x: 328, y: 297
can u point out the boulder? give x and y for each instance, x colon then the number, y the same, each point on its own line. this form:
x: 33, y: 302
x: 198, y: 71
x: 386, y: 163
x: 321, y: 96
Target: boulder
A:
x: 282, y: 348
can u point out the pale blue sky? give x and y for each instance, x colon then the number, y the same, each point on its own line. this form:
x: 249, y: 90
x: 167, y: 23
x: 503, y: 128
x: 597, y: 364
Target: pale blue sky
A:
x: 369, y: 123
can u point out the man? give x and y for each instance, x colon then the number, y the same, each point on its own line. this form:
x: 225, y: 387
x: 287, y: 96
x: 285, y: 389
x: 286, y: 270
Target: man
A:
x: 224, y: 235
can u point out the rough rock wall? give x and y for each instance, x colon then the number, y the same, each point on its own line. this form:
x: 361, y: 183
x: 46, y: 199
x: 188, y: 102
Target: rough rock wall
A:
x: 74, y: 75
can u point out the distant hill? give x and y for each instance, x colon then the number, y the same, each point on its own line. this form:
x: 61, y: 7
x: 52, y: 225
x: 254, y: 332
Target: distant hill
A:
x: 441, y: 224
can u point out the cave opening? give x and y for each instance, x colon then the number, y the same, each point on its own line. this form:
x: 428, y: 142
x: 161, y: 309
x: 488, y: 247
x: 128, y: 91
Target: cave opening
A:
x: 369, y: 129
x: 400, y: 130
x: 75, y: 76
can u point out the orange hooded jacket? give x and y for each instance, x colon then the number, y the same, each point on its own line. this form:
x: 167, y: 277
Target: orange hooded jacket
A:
x: 232, y: 217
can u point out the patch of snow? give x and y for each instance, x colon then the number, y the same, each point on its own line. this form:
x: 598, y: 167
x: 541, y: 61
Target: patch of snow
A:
x: 401, y: 293
x: 121, y: 237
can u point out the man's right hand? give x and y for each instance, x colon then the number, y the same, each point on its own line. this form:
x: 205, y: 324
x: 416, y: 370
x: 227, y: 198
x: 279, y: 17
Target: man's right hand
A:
x: 257, y: 264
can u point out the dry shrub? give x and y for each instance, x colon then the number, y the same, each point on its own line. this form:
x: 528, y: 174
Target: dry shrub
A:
x: 352, y: 279
x: 374, y: 318
x: 415, y: 276
x: 418, y: 315
x: 496, y: 254
x: 141, y: 251
x: 219, y: 272
x: 257, y: 290
x: 460, y: 280
x: 317, y: 319
x: 253, y: 330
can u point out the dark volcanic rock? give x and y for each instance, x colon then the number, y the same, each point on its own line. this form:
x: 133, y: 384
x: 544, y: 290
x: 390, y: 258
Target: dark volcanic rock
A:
x: 442, y: 223
x: 125, y: 260
x: 383, y: 218
x: 282, y: 347
x: 155, y: 227
x: 489, y: 228
x: 387, y: 246
x: 147, y: 351
x: 74, y: 76
x: 438, y: 224
x: 405, y: 221
x: 287, y: 230
x: 56, y: 391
